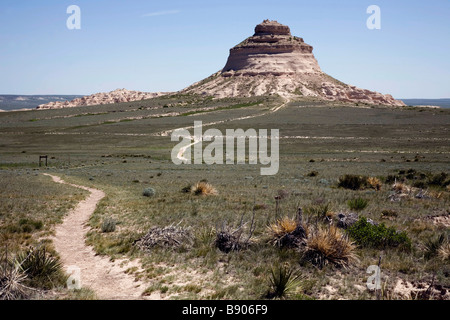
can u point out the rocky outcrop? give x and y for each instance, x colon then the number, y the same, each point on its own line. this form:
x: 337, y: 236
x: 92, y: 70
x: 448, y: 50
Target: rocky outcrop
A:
x: 116, y: 96
x: 272, y: 61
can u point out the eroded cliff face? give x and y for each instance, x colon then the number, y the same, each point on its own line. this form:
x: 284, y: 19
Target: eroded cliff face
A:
x: 116, y: 96
x: 272, y: 61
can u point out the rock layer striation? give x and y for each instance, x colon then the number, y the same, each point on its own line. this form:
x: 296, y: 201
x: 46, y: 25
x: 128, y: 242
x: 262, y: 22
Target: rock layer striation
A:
x: 272, y: 61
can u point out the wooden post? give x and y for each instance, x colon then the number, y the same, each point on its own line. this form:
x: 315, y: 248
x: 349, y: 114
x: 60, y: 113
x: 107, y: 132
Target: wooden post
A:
x: 43, y: 157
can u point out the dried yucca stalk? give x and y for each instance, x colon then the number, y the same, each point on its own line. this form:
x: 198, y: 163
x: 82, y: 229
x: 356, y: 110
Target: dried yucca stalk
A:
x: 11, y: 279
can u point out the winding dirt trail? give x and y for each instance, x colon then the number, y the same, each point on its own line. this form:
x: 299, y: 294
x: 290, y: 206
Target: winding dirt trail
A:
x: 108, y: 279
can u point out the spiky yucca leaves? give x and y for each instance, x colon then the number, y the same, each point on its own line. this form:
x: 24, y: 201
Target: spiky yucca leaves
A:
x: 329, y: 245
x: 11, y: 283
x: 357, y: 204
x: 444, y: 251
x: 40, y: 267
x: 203, y: 188
x: 282, y: 281
x: 433, y: 245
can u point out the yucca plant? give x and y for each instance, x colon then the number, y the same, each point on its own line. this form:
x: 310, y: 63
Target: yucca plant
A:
x: 433, y: 245
x: 11, y: 282
x: 282, y: 226
x: 203, y: 188
x: 329, y: 245
x: 357, y: 204
x: 282, y: 281
x: 39, y: 266
x: 287, y: 232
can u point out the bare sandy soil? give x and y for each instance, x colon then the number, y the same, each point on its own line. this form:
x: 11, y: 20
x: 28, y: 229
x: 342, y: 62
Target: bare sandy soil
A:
x: 107, y: 279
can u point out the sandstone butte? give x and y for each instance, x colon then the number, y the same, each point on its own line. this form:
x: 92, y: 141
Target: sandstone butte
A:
x: 272, y: 61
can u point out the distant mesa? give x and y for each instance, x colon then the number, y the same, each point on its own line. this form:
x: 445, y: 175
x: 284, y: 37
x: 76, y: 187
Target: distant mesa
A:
x: 116, y: 96
x: 272, y: 61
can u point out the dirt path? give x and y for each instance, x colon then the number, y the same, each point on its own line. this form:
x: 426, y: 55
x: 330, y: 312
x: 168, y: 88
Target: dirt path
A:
x: 180, y: 154
x: 107, y: 279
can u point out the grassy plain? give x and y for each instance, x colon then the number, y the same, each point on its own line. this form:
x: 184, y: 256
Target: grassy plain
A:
x: 119, y: 149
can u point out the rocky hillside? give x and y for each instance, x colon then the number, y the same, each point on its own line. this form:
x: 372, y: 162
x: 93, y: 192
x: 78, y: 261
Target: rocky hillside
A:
x: 119, y: 95
x: 272, y: 61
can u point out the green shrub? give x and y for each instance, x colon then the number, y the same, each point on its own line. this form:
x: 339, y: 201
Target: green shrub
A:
x: 149, y: 192
x: 353, y: 182
x: 109, y: 225
x: 357, y: 204
x: 312, y: 174
x: 439, y: 180
x: 377, y: 236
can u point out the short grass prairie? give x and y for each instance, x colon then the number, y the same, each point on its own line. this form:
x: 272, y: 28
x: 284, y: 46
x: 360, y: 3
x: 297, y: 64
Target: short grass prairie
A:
x: 120, y: 149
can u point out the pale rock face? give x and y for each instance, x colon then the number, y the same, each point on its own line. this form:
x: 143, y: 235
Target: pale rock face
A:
x: 272, y: 61
x: 116, y: 96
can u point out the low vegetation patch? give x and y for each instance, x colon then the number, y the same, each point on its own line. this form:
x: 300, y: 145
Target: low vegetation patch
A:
x: 357, y: 204
x: 203, y: 188
x: 328, y: 245
x: 148, y: 192
x: 377, y: 236
x: 109, y: 225
x: 353, y: 182
x: 283, y: 280
x: 172, y: 236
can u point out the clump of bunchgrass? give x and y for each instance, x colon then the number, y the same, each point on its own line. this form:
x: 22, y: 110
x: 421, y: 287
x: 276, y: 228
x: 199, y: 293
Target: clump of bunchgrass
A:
x: 109, y: 225
x: 357, y: 204
x: 375, y: 183
x: 148, y: 192
x: 433, y: 245
x: 203, y: 188
x: 328, y: 245
x: 389, y: 214
x: 444, y: 251
x: 321, y: 211
x: 288, y: 232
x: 353, y: 182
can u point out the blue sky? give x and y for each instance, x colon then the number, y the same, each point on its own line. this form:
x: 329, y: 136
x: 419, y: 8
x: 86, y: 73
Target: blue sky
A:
x: 168, y: 45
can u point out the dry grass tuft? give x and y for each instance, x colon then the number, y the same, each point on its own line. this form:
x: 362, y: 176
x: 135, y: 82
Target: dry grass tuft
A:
x: 287, y: 232
x: 374, y: 183
x: 444, y: 251
x: 203, y: 189
x: 329, y: 245
x: 11, y: 279
x: 282, y: 226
